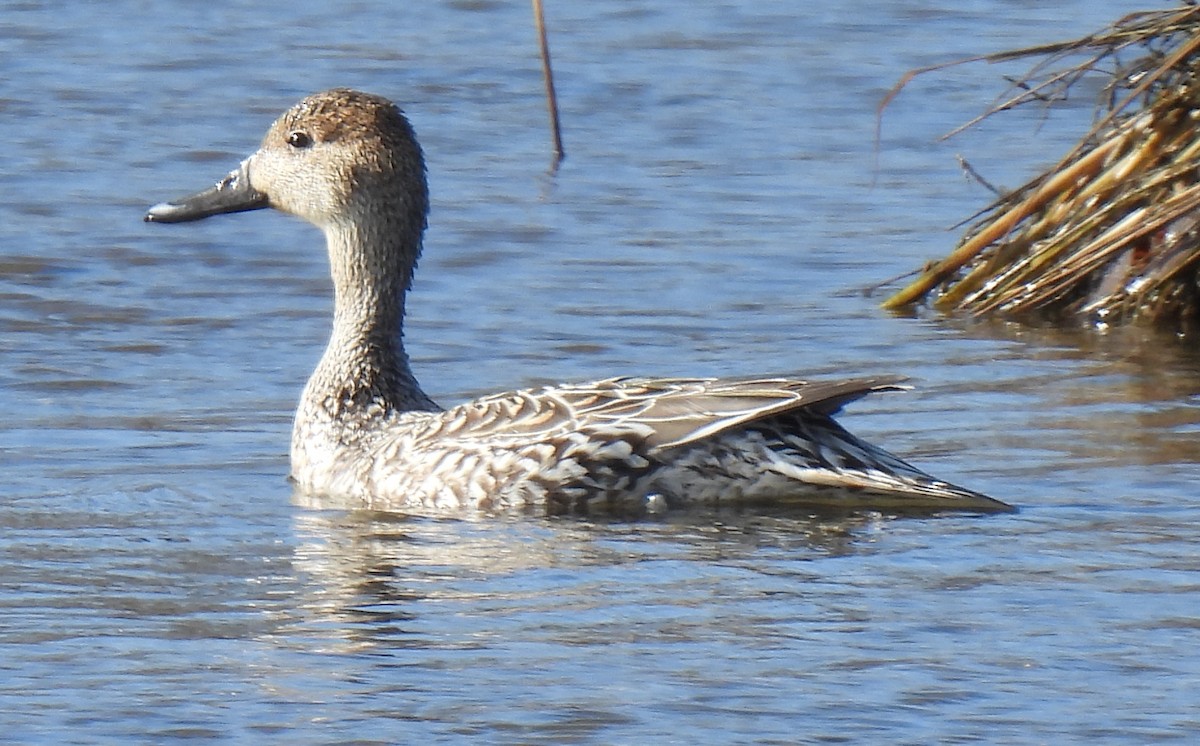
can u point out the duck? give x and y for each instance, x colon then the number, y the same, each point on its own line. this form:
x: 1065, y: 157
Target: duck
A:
x: 365, y: 432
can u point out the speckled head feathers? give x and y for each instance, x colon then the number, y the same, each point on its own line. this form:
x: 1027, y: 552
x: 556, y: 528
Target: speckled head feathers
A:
x: 343, y: 113
x: 343, y: 154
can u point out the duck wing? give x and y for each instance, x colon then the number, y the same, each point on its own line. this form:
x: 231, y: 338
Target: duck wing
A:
x: 664, y: 413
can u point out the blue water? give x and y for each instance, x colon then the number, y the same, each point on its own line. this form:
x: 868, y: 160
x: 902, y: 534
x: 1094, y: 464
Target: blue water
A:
x: 721, y: 207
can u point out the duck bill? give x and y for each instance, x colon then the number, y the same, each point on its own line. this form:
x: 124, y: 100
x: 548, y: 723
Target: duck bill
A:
x: 231, y: 194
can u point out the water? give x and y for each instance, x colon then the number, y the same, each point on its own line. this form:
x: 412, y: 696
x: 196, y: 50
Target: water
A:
x: 717, y: 214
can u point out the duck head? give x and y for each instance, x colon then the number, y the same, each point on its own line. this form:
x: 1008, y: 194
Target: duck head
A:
x: 340, y: 156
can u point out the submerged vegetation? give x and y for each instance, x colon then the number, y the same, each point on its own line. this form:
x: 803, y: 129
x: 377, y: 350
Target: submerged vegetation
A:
x: 1111, y: 233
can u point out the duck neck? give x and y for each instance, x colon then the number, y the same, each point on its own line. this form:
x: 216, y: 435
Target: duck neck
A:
x: 364, y: 372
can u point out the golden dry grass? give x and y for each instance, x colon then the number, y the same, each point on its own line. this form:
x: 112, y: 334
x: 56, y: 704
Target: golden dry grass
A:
x: 1111, y: 233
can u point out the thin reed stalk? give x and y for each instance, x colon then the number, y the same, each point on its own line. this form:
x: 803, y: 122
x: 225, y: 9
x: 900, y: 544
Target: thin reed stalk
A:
x: 539, y: 19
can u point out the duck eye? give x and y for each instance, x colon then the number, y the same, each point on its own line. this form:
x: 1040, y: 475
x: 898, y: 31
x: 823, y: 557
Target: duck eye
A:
x: 299, y: 139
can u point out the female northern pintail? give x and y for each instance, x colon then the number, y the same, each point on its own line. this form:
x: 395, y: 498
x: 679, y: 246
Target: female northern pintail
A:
x: 349, y: 163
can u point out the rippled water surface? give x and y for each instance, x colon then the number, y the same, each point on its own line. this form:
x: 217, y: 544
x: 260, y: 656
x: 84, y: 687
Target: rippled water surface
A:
x: 718, y: 213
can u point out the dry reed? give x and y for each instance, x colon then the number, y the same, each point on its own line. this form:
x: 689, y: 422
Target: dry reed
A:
x: 1111, y: 233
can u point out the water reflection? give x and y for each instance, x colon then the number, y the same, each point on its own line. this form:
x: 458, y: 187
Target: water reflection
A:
x: 1127, y: 398
x: 372, y: 578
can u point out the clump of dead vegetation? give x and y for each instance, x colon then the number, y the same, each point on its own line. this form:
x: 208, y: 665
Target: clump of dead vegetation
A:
x: 1111, y: 233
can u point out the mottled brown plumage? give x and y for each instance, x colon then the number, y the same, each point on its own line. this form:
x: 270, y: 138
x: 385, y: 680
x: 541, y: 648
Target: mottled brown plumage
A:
x: 365, y: 431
